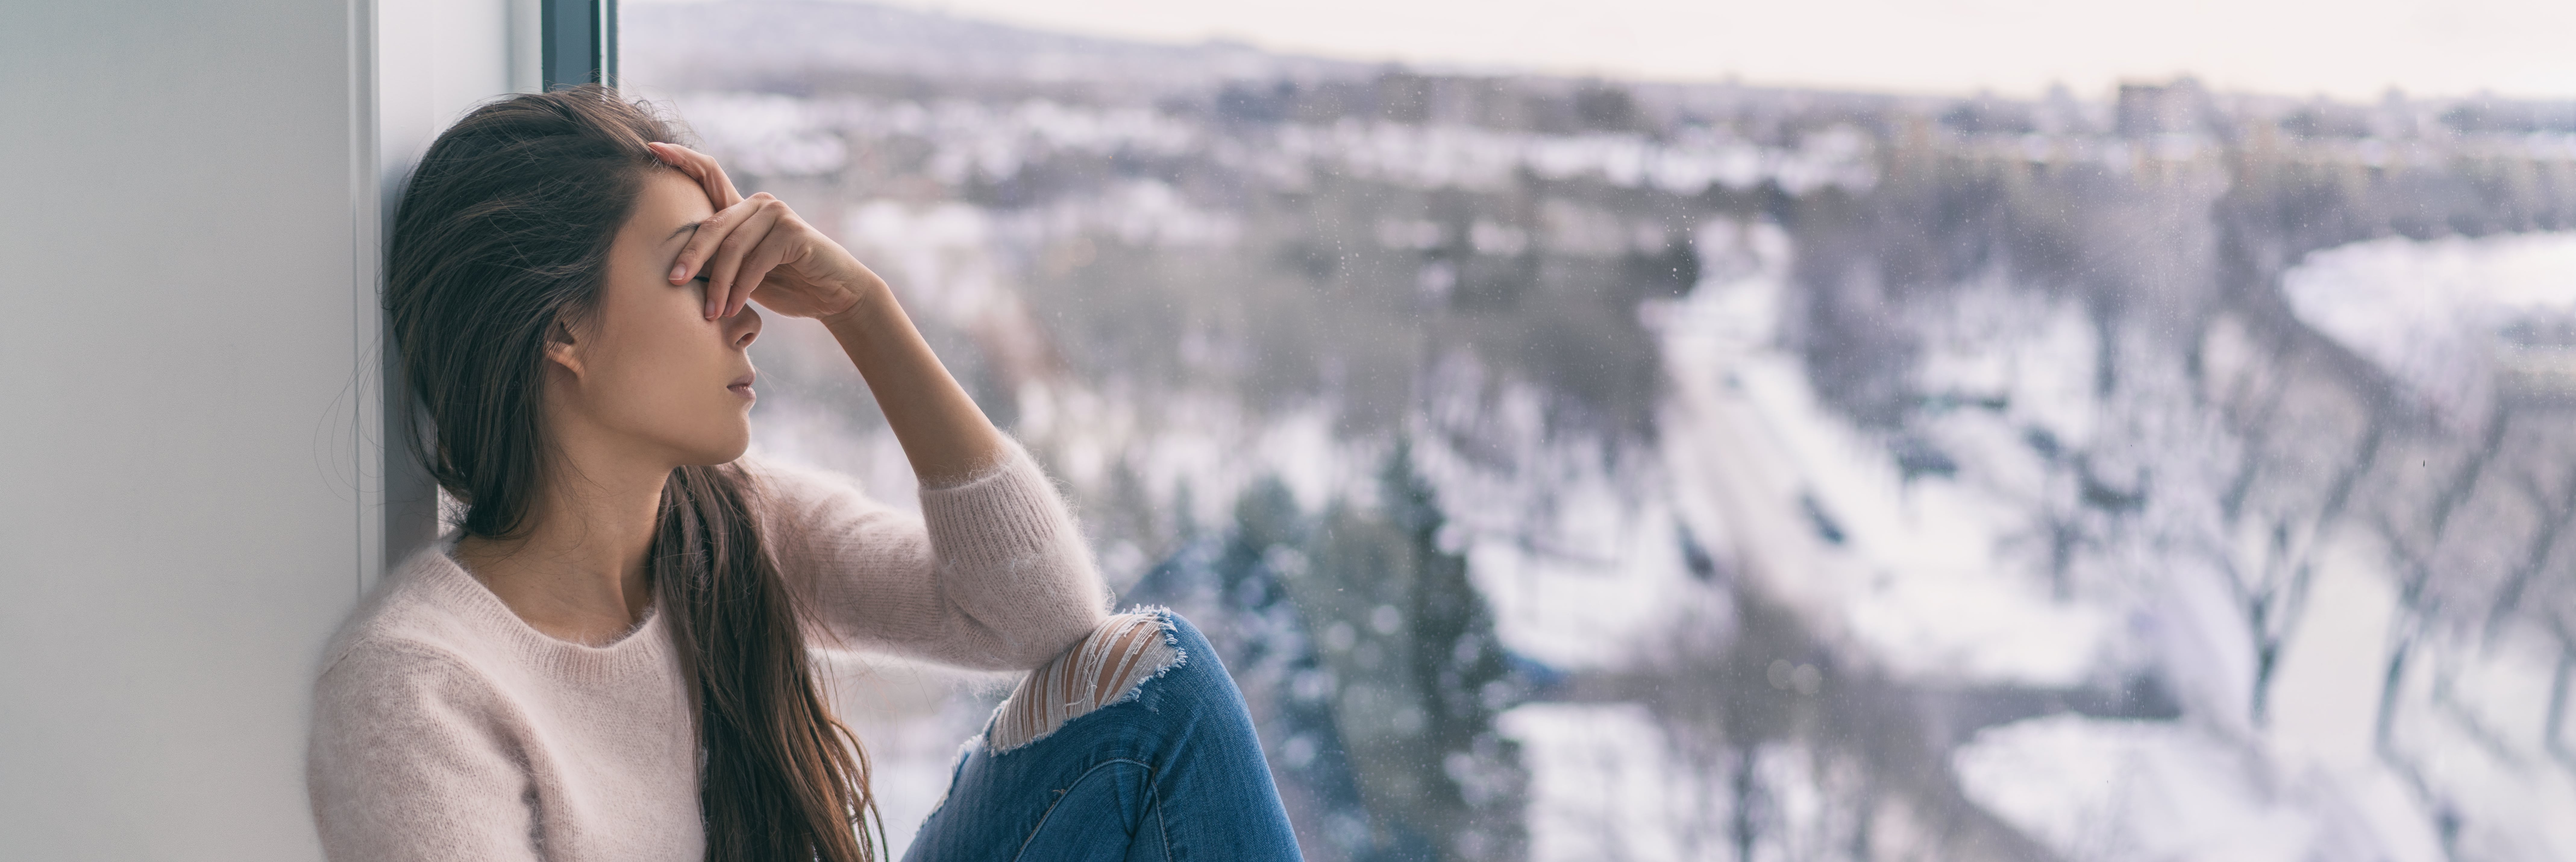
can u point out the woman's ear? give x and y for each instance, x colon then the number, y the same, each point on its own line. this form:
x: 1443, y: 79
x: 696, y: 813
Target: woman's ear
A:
x: 561, y: 349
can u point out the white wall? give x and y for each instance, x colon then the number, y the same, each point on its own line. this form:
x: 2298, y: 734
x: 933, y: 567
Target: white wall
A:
x: 189, y: 501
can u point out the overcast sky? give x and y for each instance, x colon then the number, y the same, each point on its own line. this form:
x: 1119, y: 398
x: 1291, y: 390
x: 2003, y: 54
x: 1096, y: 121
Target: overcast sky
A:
x: 2350, y: 48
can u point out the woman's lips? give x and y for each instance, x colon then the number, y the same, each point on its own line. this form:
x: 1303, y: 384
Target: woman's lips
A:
x: 743, y: 385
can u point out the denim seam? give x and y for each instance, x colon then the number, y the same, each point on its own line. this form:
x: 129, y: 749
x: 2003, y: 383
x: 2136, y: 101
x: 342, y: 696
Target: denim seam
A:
x: 1068, y: 791
x: 1154, y: 795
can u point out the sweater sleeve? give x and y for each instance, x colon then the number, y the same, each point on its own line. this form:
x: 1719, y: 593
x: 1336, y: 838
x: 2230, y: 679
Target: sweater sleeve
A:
x: 993, y: 575
x: 406, y: 763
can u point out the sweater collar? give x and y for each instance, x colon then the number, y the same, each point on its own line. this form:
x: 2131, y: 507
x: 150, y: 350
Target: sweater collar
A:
x: 435, y: 571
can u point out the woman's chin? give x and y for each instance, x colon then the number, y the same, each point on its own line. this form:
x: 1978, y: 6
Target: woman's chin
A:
x: 716, y: 452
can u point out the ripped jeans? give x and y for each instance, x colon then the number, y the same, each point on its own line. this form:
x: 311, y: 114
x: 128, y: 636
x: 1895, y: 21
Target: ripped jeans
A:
x: 1168, y: 771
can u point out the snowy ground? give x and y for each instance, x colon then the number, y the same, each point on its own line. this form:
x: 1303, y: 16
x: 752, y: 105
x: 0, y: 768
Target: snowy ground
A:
x: 1604, y: 785
x: 1930, y: 582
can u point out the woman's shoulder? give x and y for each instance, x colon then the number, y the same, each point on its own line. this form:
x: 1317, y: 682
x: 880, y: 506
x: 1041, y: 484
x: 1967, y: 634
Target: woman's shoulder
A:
x: 402, y: 684
x: 421, y: 619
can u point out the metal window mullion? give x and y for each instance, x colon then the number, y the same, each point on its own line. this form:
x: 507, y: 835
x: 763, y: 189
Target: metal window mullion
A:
x: 580, y: 42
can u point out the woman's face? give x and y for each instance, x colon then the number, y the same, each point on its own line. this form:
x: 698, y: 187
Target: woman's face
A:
x: 647, y: 377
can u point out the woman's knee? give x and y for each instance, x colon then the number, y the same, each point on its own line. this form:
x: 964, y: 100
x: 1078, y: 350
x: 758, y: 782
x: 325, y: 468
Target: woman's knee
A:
x: 1107, y: 666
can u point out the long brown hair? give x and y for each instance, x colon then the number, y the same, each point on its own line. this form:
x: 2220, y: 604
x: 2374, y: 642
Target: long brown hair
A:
x: 503, y: 233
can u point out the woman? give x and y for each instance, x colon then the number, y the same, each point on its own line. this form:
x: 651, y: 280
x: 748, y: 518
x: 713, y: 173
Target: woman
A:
x: 607, y: 659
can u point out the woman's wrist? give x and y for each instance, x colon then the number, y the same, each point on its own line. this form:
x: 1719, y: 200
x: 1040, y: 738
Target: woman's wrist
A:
x: 947, y: 438
x: 865, y: 301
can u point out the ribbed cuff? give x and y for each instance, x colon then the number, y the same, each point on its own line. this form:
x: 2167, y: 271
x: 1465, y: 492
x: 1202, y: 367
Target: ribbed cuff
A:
x: 1011, y: 451
x: 1003, y: 517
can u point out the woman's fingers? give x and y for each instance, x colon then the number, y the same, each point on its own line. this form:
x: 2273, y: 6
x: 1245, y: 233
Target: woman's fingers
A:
x: 702, y: 255
x: 725, y: 268
x: 781, y: 247
x: 737, y: 249
x: 689, y: 162
x: 701, y: 167
x: 702, y: 244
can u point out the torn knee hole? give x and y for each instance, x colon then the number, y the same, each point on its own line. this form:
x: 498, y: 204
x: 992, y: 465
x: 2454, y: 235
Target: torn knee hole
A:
x: 1105, y: 667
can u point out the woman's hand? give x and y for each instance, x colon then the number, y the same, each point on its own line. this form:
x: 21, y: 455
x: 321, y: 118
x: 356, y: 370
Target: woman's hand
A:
x: 756, y: 248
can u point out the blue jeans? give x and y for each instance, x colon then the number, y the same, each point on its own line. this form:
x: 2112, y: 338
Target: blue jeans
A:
x: 1173, y: 774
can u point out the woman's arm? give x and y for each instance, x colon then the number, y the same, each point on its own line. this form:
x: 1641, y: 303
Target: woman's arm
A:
x: 757, y: 249
x: 947, y: 437
x: 994, y: 574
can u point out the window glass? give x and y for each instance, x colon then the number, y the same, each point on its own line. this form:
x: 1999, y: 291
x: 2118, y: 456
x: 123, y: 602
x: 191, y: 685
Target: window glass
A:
x: 1581, y: 468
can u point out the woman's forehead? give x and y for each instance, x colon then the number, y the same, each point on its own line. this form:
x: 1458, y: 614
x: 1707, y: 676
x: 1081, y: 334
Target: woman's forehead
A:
x: 669, y: 202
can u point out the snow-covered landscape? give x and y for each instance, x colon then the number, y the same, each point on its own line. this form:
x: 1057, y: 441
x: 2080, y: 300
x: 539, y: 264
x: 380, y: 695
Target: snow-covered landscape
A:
x: 1584, y: 469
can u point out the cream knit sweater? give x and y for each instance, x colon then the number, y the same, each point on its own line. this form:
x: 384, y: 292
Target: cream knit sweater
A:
x: 445, y: 728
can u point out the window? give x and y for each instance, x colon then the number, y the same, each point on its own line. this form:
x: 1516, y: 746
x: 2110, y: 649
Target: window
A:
x: 1582, y: 466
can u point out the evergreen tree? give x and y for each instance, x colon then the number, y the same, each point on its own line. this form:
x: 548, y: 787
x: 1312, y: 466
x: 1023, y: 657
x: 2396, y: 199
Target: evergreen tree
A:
x: 1462, y: 679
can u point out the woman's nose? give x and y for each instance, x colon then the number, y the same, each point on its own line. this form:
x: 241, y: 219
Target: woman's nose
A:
x: 743, y: 327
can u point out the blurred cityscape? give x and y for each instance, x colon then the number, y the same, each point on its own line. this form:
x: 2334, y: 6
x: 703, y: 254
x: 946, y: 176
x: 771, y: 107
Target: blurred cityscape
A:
x: 1591, y: 469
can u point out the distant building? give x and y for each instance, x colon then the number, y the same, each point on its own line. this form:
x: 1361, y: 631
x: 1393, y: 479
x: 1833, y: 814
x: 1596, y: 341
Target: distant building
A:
x: 2148, y: 110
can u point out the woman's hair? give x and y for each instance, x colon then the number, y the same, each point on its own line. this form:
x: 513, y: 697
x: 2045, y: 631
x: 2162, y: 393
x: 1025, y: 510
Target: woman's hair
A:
x: 502, y: 236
